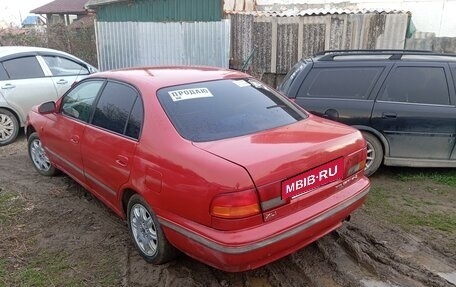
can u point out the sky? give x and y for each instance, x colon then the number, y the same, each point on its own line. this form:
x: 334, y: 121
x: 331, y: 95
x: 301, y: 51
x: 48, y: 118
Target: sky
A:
x: 14, y: 11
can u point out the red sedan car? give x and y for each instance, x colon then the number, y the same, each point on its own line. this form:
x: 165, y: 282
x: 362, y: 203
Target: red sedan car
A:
x: 207, y: 161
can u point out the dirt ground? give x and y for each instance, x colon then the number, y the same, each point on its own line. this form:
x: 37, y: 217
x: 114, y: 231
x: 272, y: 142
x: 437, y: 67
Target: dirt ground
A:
x: 55, y: 234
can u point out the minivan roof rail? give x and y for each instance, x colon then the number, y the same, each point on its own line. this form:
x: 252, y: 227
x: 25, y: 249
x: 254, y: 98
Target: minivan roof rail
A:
x: 396, y: 54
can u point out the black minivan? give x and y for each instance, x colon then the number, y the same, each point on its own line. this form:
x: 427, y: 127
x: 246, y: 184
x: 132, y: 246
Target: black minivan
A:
x: 403, y: 101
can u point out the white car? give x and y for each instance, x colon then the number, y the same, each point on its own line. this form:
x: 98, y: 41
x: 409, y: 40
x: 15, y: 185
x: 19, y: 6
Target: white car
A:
x: 30, y: 76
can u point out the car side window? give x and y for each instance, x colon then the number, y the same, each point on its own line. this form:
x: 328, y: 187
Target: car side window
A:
x: 135, y: 120
x: 60, y: 66
x: 3, y: 74
x: 453, y: 72
x: 114, y: 107
x: 341, y: 82
x: 78, y: 102
x: 23, y: 68
x: 424, y: 85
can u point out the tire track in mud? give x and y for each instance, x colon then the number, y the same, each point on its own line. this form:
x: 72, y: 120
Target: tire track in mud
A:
x: 125, y: 268
x: 324, y: 269
x: 394, y: 265
x: 348, y: 257
x: 286, y: 272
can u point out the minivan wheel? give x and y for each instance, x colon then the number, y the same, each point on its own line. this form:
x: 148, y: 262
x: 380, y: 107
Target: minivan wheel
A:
x: 9, y: 127
x: 147, y: 234
x: 38, y: 156
x: 374, y: 154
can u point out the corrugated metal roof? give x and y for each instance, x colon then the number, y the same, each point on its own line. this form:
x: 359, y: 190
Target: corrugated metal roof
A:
x: 317, y: 12
x: 91, y: 4
x: 160, y: 11
x: 62, y: 7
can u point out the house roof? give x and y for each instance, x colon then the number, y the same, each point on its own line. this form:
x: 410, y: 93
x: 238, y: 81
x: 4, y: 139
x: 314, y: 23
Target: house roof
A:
x: 62, y: 7
x: 33, y: 20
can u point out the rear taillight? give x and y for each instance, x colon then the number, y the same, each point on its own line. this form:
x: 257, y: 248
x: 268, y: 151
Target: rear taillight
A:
x: 235, y: 205
x: 355, y: 162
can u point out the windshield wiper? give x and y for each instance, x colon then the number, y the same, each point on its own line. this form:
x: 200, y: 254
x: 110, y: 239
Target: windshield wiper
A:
x: 276, y: 106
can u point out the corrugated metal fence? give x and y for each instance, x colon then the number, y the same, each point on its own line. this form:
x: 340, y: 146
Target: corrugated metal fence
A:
x: 277, y: 42
x: 128, y: 44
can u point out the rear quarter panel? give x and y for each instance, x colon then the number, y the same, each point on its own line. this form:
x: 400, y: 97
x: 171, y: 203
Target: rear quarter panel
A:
x: 174, y: 176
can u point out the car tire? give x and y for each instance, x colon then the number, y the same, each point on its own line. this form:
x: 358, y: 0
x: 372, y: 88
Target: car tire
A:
x: 38, y: 156
x: 147, y: 234
x: 9, y: 127
x: 374, y: 153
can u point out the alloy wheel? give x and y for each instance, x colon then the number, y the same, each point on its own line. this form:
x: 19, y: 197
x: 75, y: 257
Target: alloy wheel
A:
x: 143, y: 229
x: 39, y: 157
x: 370, y: 155
x: 6, y: 127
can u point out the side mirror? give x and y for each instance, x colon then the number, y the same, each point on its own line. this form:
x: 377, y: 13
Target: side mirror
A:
x: 46, y: 108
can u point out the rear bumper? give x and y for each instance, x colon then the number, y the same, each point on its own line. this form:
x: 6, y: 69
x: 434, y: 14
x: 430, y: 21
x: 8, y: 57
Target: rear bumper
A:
x: 246, y: 249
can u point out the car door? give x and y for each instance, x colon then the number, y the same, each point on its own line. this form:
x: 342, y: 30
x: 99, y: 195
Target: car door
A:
x: 110, y: 141
x: 64, y: 133
x: 341, y: 91
x: 416, y: 113
x: 26, y: 85
x: 65, y: 72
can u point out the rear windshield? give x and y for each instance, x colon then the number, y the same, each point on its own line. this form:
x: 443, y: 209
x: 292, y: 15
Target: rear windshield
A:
x: 215, y: 110
x: 291, y: 75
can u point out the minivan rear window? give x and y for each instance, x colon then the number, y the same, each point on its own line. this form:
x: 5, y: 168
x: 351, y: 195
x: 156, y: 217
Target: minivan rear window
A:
x: 215, y: 110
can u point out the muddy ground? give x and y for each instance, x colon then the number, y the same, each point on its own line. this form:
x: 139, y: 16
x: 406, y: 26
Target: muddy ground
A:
x: 54, y: 233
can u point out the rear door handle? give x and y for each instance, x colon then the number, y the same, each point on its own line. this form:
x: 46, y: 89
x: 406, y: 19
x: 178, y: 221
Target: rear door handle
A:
x: 389, y: 115
x: 8, y: 86
x: 122, y: 160
x: 62, y: 82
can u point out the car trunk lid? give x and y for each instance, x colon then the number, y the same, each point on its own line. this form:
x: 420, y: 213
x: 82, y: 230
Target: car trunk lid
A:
x: 289, y: 158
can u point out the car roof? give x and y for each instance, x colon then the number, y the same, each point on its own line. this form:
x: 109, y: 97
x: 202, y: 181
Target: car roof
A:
x: 12, y: 50
x: 384, y: 55
x: 170, y: 75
